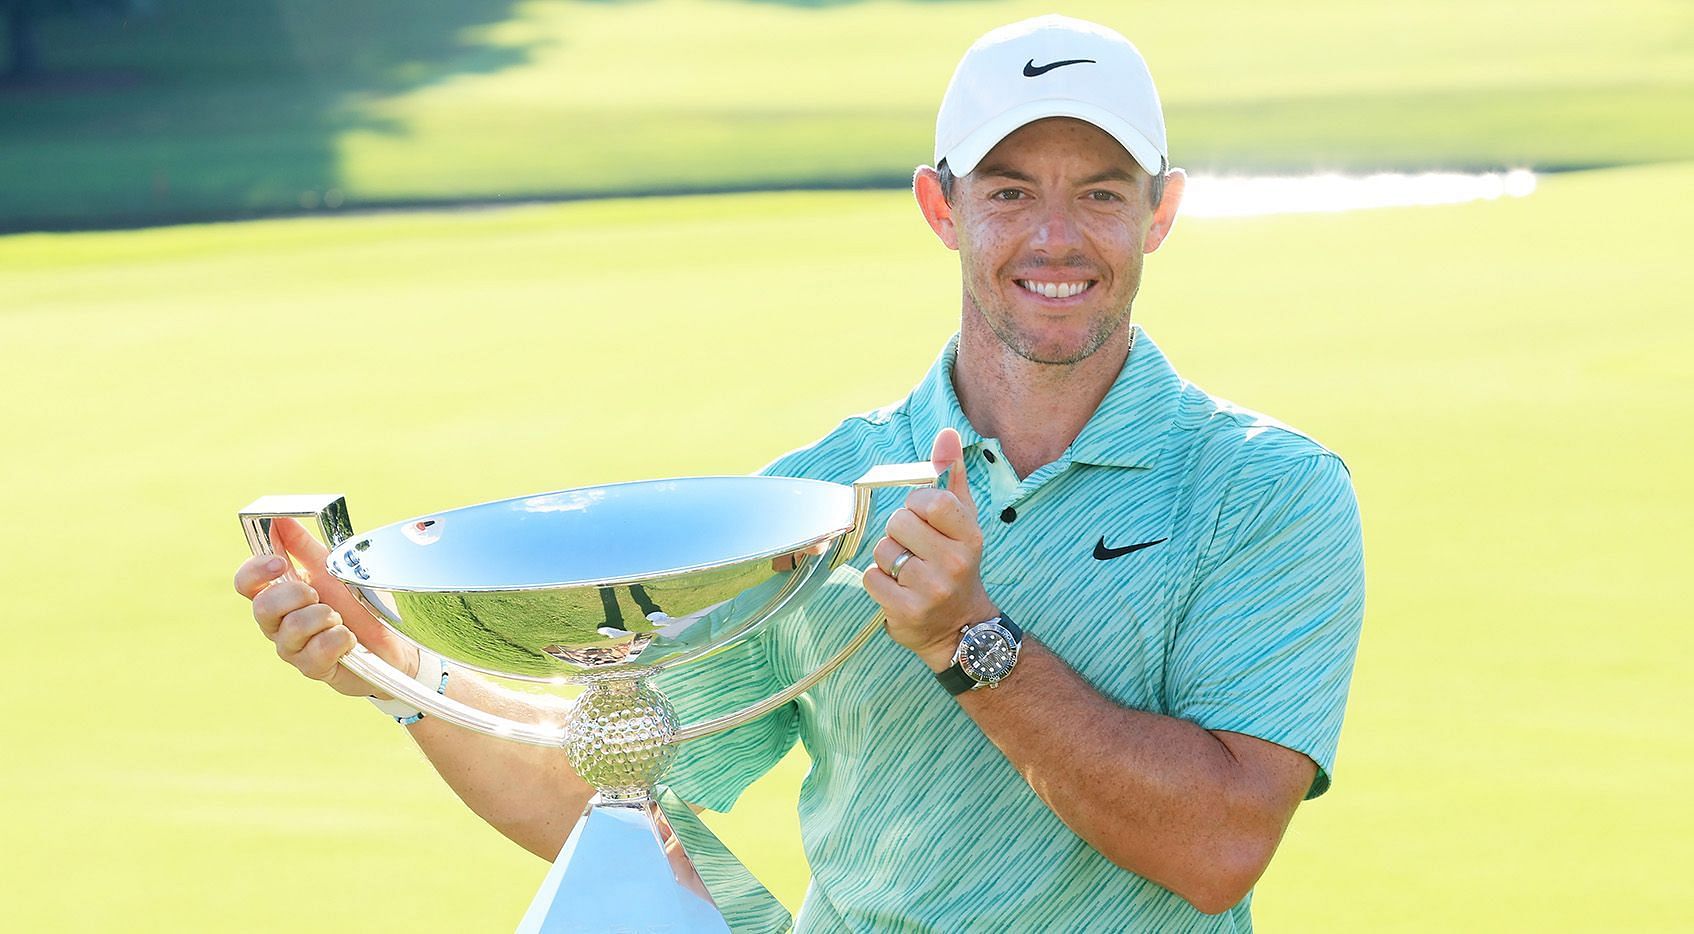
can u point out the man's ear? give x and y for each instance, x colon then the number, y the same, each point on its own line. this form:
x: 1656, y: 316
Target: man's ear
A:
x: 926, y: 187
x: 1164, y: 216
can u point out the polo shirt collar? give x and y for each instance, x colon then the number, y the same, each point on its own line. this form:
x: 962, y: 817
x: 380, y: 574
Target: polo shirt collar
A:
x: 1126, y: 430
x: 934, y: 405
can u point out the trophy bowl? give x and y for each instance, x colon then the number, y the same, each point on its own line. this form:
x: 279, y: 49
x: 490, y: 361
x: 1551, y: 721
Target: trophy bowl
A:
x: 604, y: 587
x: 622, y: 576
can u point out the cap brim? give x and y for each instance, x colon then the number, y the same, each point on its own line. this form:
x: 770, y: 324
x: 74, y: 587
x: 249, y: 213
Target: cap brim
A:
x: 964, y: 157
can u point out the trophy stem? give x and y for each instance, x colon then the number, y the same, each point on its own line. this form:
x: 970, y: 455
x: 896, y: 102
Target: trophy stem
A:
x: 622, y: 869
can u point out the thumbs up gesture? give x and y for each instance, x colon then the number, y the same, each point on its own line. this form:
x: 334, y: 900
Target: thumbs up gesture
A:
x: 927, y: 573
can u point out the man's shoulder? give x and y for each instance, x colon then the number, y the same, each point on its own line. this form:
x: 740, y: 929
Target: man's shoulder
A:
x: 1249, y: 468
x: 859, y: 442
x: 1242, y: 444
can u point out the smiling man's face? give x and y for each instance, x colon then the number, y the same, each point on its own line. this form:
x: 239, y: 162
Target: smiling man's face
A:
x: 1051, y: 228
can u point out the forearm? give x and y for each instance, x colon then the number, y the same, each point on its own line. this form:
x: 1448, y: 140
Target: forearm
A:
x: 1158, y: 796
x: 529, y: 793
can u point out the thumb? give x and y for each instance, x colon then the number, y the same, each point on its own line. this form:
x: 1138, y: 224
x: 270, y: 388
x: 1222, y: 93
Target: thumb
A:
x: 948, y: 453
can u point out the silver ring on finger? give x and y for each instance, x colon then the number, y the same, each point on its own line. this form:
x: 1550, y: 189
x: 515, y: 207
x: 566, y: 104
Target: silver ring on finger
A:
x: 900, y: 562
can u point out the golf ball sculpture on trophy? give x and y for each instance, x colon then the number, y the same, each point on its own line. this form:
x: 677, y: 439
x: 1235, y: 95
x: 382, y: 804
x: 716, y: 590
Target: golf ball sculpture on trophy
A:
x: 606, y: 588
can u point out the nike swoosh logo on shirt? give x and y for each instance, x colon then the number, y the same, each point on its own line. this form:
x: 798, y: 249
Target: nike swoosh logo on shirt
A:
x: 1102, y: 553
x: 1031, y: 70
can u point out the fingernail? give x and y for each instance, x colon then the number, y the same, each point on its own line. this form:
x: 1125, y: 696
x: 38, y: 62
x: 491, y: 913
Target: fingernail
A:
x: 273, y: 565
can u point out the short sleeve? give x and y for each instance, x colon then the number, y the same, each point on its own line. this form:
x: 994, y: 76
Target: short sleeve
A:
x: 713, y: 771
x: 1266, y: 647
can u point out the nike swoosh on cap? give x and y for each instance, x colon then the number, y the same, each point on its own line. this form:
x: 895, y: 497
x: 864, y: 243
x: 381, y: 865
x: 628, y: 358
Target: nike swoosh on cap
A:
x: 1031, y: 70
x: 1102, y: 553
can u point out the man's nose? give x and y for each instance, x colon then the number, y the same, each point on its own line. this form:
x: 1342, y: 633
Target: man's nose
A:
x: 1058, y: 229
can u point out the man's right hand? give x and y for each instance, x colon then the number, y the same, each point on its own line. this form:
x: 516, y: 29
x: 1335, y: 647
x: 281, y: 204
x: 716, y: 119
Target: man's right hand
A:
x: 314, y: 621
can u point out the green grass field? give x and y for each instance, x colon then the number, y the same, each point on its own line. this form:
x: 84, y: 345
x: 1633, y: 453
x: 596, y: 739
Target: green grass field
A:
x: 217, y: 107
x: 1508, y: 381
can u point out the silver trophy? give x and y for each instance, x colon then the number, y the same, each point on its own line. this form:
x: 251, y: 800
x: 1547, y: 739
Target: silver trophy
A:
x: 604, y: 588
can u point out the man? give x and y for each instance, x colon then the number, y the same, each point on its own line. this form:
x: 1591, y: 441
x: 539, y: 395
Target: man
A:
x: 1122, y: 632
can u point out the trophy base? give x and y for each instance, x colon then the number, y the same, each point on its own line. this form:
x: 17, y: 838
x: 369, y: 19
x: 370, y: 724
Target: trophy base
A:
x: 625, y: 869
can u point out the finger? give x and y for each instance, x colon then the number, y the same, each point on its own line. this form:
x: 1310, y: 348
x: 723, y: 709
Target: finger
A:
x: 257, y: 572
x: 293, y: 538
x: 889, y: 551
x: 279, y: 600
x: 948, y: 453
x: 946, y: 514
x: 886, y: 592
x: 885, y: 553
x: 320, y: 658
x: 912, y: 533
x: 300, y: 626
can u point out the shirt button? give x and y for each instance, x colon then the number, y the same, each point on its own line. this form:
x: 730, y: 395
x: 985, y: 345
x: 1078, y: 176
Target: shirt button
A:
x: 988, y: 455
x: 1008, y: 514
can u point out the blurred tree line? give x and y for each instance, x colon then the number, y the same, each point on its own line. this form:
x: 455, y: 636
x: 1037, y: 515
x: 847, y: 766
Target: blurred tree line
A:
x: 22, y: 20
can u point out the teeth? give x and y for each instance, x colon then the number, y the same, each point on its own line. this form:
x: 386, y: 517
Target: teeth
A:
x: 1054, y: 289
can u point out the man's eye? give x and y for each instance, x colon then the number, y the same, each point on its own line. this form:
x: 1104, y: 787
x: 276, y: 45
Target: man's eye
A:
x: 1007, y: 194
x: 1102, y: 195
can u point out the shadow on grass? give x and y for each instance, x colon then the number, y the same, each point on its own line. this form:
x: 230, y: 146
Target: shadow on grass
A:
x: 218, y: 107
x: 205, y: 110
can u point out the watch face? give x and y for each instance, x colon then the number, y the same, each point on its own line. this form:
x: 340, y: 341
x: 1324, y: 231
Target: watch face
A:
x: 986, y: 654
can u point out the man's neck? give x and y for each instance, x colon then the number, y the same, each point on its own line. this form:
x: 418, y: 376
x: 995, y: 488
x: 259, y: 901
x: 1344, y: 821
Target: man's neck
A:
x: 1035, y: 410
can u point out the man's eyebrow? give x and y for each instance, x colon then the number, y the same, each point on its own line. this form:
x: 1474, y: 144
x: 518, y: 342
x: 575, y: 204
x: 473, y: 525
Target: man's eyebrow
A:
x: 1005, y: 171
x: 1110, y: 175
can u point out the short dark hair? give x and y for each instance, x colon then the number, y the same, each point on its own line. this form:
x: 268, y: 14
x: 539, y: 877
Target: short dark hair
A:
x: 1157, y: 193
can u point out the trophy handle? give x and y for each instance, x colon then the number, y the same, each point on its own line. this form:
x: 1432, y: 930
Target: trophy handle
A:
x: 917, y: 473
x: 329, y: 511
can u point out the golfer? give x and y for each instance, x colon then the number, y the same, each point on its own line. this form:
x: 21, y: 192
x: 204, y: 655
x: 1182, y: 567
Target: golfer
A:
x: 1122, y: 631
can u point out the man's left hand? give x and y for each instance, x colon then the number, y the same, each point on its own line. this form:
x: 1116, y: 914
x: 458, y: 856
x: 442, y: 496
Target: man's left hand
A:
x: 939, y: 588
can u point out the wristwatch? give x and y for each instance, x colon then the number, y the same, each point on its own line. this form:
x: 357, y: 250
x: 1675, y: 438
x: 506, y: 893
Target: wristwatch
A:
x: 985, y: 656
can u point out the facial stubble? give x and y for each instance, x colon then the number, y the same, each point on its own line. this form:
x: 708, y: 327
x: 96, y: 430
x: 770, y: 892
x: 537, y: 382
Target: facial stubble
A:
x: 1005, y: 329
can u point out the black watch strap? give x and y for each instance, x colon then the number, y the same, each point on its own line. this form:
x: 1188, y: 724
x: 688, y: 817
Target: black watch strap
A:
x: 955, y: 680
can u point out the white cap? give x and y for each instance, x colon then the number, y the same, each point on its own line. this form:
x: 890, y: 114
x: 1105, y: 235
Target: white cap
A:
x: 1049, y: 66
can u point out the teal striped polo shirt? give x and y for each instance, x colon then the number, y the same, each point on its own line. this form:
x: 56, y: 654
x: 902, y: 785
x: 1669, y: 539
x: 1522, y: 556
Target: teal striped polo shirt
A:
x: 1244, y: 617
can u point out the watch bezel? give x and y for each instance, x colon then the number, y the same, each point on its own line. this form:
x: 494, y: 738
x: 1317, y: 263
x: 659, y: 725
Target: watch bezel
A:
x: 997, y: 628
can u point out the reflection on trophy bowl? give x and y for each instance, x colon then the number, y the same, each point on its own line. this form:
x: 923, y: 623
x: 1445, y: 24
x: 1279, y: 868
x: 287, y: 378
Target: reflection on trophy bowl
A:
x: 626, y: 576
